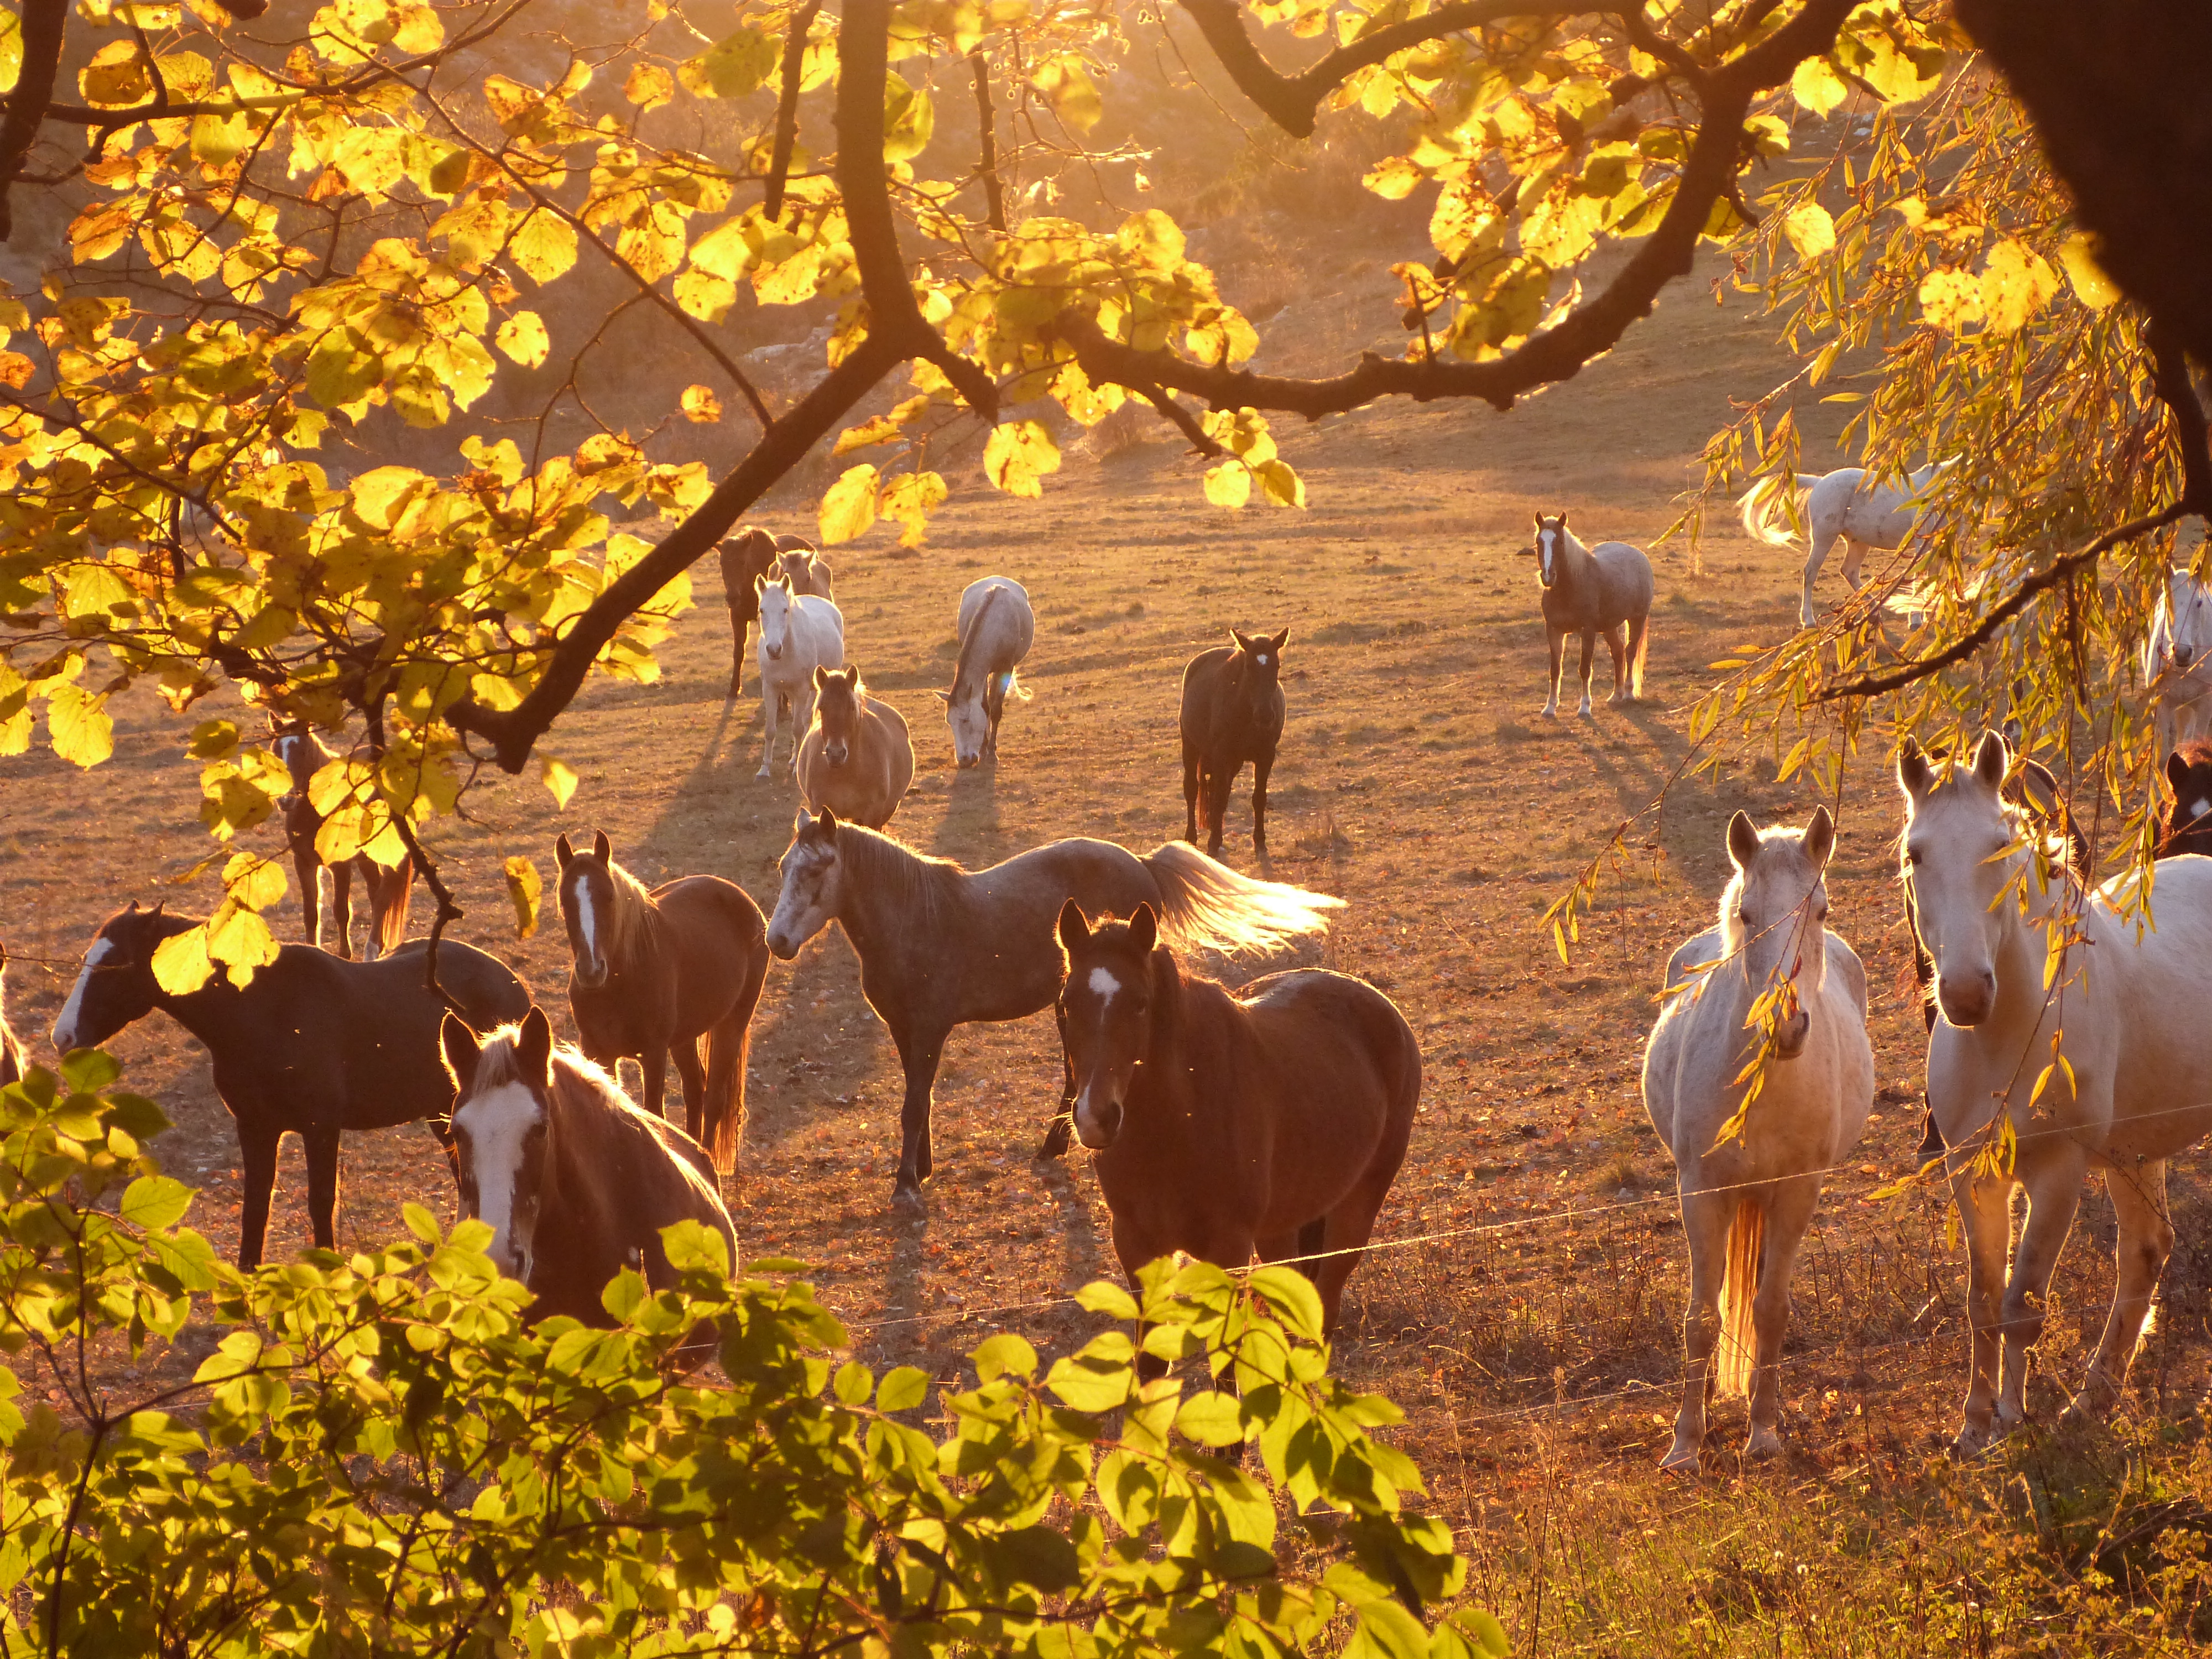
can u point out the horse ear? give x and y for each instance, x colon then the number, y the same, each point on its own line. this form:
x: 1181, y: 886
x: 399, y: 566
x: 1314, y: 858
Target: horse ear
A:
x: 821, y: 677
x: 1074, y: 927
x: 563, y: 851
x: 1239, y: 641
x: 160, y: 905
x: 1742, y: 840
x: 602, y: 849
x: 462, y: 1051
x: 828, y: 822
x: 1540, y: 523
x: 1819, y: 839
x: 1280, y: 639
x: 1914, y: 775
x: 1144, y: 928
x: 2176, y: 773
x: 534, y: 1048
x: 1991, y: 759
x: 1563, y: 517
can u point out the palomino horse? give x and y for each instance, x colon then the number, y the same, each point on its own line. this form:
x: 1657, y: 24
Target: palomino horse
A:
x: 747, y: 557
x: 11, y: 1046
x: 311, y: 1044
x: 1746, y: 1204
x: 1593, y: 591
x: 389, y: 891
x: 940, y: 946
x: 2178, y: 661
x: 575, y: 1180
x: 1232, y: 713
x: 1848, y: 503
x: 997, y: 628
x: 2124, y: 1011
x: 799, y: 633
x: 858, y: 757
x: 1271, y: 1119
x: 2188, y: 825
x: 656, y: 971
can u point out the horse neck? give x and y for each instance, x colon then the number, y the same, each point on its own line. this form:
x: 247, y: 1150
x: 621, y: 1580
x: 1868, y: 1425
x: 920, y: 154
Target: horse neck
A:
x: 1171, y: 1074
x: 579, y: 1156
x: 897, y: 888
x: 2023, y: 944
x: 634, y: 930
x: 971, y: 643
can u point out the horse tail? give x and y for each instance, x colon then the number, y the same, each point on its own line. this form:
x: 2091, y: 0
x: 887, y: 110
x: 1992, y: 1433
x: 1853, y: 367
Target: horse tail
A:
x: 398, y: 884
x: 1639, y: 651
x: 1738, y: 1348
x: 1207, y: 906
x: 1760, y: 505
x: 1014, y: 686
x: 729, y: 1044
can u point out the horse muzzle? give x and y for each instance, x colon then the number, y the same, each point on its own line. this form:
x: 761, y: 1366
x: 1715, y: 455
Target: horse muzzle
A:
x: 968, y: 762
x: 591, y: 975
x: 1789, y: 1036
x: 781, y: 945
x: 837, y: 754
x: 2184, y: 657
x: 1967, y: 999
x: 1097, y: 1125
x: 775, y: 652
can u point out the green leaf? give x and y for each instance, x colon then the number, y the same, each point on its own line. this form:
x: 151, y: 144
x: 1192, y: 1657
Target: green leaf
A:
x: 1210, y: 1418
x: 1102, y: 1297
x: 155, y: 1202
x: 1291, y: 1298
x: 1089, y: 1384
x: 421, y: 1223
x: 1387, y: 1630
x: 903, y: 1388
x: 1006, y: 1352
x: 854, y: 1382
x: 90, y: 1071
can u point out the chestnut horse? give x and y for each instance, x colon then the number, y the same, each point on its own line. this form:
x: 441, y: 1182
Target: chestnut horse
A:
x: 746, y: 557
x: 1589, y: 591
x: 1271, y: 1120
x: 1232, y: 713
x: 2188, y: 825
x: 656, y: 971
x: 389, y: 891
x: 857, y: 758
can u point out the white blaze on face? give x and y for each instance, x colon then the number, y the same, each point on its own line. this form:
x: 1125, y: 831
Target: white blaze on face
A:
x: 2201, y: 810
x: 588, y: 941
x: 1545, y: 541
x: 497, y: 1126
x: 1104, y: 985
x: 72, y: 1014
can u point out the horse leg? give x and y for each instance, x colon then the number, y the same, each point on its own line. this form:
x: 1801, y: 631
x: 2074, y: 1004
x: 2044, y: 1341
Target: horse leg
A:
x: 309, y: 869
x: 652, y: 1079
x: 1616, y: 645
x: 919, y: 1057
x: 1706, y: 1217
x: 1816, y: 555
x: 256, y: 1146
x: 1261, y: 766
x: 769, y: 701
x: 1057, y: 1133
x: 1854, y: 554
x: 2146, y: 1240
x: 1985, y: 1204
x: 1590, y: 651
x: 1219, y: 786
x: 693, y: 1076
x: 1787, y: 1214
x: 322, y: 1144
x: 2054, y: 1196
x: 1556, y: 641
x: 1190, y: 785
x: 342, y: 905
x: 729, y: 1050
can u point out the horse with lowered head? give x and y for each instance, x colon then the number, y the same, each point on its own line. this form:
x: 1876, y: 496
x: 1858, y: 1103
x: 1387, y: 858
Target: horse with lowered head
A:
x: 1232, y: 713
x: 1591, y: 590
x: 575, y: 1180
x: 996, y: 628
x: 1849, y: 505
x: 747, y: 556
x: 858, y: 757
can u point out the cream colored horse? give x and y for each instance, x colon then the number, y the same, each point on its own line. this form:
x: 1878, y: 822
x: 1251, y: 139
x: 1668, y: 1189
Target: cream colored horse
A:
x: 2178, y: 662
x: 2126, y: 1010
x: 1746, y: 1204
x: 1848, y: 505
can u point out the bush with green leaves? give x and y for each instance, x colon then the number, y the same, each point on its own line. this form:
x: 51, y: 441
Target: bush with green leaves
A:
x: 379, y: 1455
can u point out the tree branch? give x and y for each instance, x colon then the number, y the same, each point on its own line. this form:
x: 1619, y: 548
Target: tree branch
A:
x: 45, y: 24
x: 787, y: 108
x: 1199, y: 440
x: 2178, y: 393
x: 986, y: 142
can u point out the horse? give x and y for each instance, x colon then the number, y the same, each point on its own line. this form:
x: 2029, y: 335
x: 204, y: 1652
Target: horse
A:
x: 12, y: 1059
x: 574, y: 1179
x: 1232, y: 713
x: 312, y: 1043
x: 390, y: 891
x: 747, y: 557
x: 656, y: 971
x: 2188, y: 826
x: 997, y: 628
x: 2178, y: 662
x: 802, y: 566
x: 1593, y: 591
x: 799, y: 633
x: 941, y: 946
x: 1746, y: 1204
x: 1850, y: 503
x: 858, y: 757
x: 2124, y: 1012
x: 1271, y: 1120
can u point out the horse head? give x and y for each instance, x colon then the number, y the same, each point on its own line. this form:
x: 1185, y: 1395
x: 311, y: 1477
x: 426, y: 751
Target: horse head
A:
x: 774, y: 593
x: 1106, y: 1005
x: 2188, y: 827
x: 116, y: 985
x: 1553, y: 541
x: 587, y: 900
x: 503, y: 1122
x: 839, y: 698
x: 1957, y: 834
x: 1775, y: 913
x: 1259, y: 664
x: 812, y: 885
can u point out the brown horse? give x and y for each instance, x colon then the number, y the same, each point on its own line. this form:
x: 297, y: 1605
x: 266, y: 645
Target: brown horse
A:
x: 1271, y: 1121
x: 1588, y: 591
x: 2188, y: 825
x: 857, y: 758
x: 575, y: 1180
x: 747, y: 556
x: 1232, y: 713
x: 390, y: 891
x: 11, y: 1047
x: 656, y: 971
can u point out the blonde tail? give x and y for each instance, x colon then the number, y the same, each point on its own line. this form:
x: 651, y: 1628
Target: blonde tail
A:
x: 1759, y: 506
x: 1207, y: 906
x: 1638, y: 652
x: 1738, y: 1356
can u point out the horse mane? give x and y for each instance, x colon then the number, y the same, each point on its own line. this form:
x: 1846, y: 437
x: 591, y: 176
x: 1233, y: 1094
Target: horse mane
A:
x: 960, y: 668
x: 885, y: 863
x: 584, y: 1096
x: 635, y: 914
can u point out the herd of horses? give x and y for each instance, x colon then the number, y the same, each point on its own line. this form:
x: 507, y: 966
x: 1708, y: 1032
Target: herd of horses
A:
x: 1270, y: 1121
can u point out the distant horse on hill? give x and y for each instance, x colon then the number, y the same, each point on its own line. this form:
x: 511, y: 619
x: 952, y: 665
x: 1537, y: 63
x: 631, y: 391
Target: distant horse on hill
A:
x: 1593, y: 591
x: 799, y: 633
x: 1232, y: 713
x: 940, y: 946
x: 858, y: 757
x: 997, y: 628
x: 747, y: 557
x: 311, y: 1044
x: 1850, y: 505
x: 390, y: 891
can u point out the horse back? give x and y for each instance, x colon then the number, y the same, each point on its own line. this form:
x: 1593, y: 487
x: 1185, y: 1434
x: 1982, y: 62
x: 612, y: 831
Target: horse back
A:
x: 1624, y: 582
x: 996, y: 611
x: 1334, y: 1037
x: 1000, y: 955
x: 714, y: 925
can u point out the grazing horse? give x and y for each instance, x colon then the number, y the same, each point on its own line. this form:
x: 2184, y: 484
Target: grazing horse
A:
x: 1232, y: 713
x: 656, y: 971
x: 858, y: 757
x: 2178, y: 662
x: 2188, y: 826
x: 1592, y: 591
x: 1850, y: 503
x: 1271, y: 1120
x: 997, y: 628
x: 1746, y: 1204
x: 799, y: 633
x: 2122, y: 1008
x: 11, y: 1046
x: 747, y: 557
x: 390, y: 891
x: 311, y: 1044
x: 940, y: 946
x: 574, y: 1179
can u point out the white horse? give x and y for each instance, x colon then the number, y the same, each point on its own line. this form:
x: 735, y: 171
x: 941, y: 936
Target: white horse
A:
x: 798, y: 635
x: 1746, y: 1204
x: 997, y: 627
x: 1850, y: 503
x: 2178, y: 662
x: 2126, y: 1012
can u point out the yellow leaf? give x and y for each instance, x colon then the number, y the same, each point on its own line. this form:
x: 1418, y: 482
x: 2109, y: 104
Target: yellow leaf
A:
x: 1395, y: 179
x: 79, y: 725
x: 241, y: 940
x: 649, y: 86
x: 1229, y: 484
x: 1281, y: 485
x: 253, y: 881
x: 1951, y: 299
x: 1067, y: 86
x: 1810, y: 230
x: 731, y: 68
x: 544, y: 246
x: 908, y: 500
x: 701, y: 405
x: 1017, y: 455
x: 560, y: 778
x: 2016, y: 283
x: 848, y: 507
x: 522, y: 337
x: 181, y: 964
x: 2090, y: 286
x: 523, y: 889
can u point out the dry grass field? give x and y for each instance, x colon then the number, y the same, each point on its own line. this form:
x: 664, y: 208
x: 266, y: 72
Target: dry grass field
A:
x: 1525, y: 1310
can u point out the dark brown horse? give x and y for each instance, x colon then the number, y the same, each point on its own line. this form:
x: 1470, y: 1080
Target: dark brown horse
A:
x: 1232, y: 713
x: 655, y: 972
x: 311, y: 1044
x: 389, y: 891
x: 575, y: 1180
x: 746, y: 557
x: 11, y: 1047
x: 1271, y: 1121
x: 2188, y: 825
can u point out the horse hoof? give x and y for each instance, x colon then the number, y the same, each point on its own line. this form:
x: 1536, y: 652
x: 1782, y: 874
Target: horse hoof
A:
x: 1971, y: 1446
x: 904, y: 1197
x: 1056, y: 1139
x: 1764, y: 1444
x: 1681, y: 1458
x: 1547, y: 713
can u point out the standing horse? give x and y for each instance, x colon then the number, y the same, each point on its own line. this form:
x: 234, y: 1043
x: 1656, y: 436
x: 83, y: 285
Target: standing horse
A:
x: 1746, y: 1204
x: 2124, y: 1010
x: 1593, y: 591
x: 390, y: 891
x: 2178, y: 662
x: 2188, y: 826
x: 11, y: 1046
x: 311, y: 1044
x: 656, y: 971
x: 1850, y: 503
x: 940, y: 946
x: 575, y: 1180
x: 1232, y: 713
x: 747, y: 557
x: 799, y: 633
x: 997, y: 628
x: 803, y: 568
x: 858, y: 757
x: 1270, y: 1119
